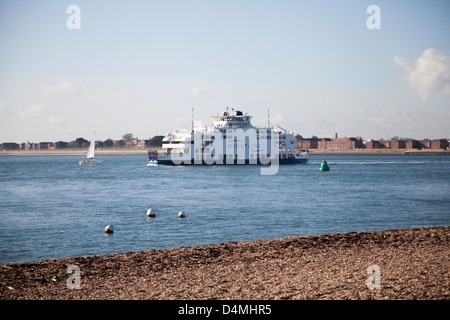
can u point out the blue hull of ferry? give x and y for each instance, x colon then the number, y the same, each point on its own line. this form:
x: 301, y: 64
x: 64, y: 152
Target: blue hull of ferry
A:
x: 152, y: 160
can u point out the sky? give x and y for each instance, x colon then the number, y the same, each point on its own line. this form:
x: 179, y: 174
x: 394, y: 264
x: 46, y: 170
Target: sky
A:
x: 140, y: 67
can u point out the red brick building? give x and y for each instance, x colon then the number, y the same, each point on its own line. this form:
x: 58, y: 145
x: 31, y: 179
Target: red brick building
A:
x: 398, y: 144
x: 427, y: 144
x: 341, y: 143
x: 439, y: 144
x: 374, y: 144
x: 410, y: 144
x: 307, y: 144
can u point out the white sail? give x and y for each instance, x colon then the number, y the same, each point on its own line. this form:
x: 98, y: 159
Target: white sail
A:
x: 90, y: 154
x: 91, y: 151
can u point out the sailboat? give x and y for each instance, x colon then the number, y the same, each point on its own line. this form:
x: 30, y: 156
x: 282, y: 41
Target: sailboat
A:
x: 90, y: 154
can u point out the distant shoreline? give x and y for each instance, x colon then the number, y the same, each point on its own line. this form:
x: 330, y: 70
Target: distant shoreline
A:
x: 380, y: 152
x: 143, y: 152
x: 113, y: 152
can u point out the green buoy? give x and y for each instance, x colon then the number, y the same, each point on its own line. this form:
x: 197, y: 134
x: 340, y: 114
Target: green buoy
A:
x: 324, y: 166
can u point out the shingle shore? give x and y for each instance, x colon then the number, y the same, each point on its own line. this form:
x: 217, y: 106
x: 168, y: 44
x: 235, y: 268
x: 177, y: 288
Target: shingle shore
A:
x: 413, y: 264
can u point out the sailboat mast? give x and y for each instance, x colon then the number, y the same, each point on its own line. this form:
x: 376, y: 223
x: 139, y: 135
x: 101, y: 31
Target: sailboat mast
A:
x: 192, y: 120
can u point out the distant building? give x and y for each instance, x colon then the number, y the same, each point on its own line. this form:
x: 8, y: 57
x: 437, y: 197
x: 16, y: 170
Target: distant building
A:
x: 33, y: 146
x: 135, y: 143
x: 10, y: 146
x: 413, y: 144
x: 306, y: 144
x: 330, y: 143
x: 29, y: 146
x: 46, y: 146
x: 408, y: 144
x: 425, y: 144
x: 385, y: 143
x: 374, y: 144
x: 341, y: 143
x: 398, y: 144
x: 140, y: 143
x: 439, y: 144
x: 323, y: 143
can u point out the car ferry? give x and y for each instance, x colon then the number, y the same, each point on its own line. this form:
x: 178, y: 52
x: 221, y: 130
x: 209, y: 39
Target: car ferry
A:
x: 231, y: 139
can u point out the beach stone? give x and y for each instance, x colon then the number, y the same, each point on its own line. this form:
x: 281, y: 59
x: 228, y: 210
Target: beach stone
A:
x: 306, y: 267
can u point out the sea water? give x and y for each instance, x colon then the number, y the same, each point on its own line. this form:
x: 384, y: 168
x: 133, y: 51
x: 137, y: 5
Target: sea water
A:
x: 51, y: 207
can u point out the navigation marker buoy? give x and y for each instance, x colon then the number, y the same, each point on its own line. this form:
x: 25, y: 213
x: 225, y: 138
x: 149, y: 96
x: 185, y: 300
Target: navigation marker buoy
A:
x: 324, y: 166
x: 150, y: 213
x: 109, y: 229
x: 181, y: 214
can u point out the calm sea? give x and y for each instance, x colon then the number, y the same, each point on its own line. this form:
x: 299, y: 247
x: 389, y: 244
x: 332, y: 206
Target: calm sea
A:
x: 51, y: 207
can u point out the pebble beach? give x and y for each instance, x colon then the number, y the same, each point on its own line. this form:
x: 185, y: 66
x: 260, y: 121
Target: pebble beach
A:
x: 395, y: 264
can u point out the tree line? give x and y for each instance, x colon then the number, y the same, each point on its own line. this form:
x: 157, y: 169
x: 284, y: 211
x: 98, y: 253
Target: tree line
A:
x: 127, y: 141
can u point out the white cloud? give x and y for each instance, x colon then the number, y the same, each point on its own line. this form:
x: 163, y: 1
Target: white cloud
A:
x: 31, y: 112
x: 278, y: 118
x: 62, y: 88
x: 377, y: 119
x: 431, y: 72
x: 405, y: 64
x: 54, y: 120
x: 123, y: 98
x: 195, y: 91
x: 4, y: 110
x: 38, y: 112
